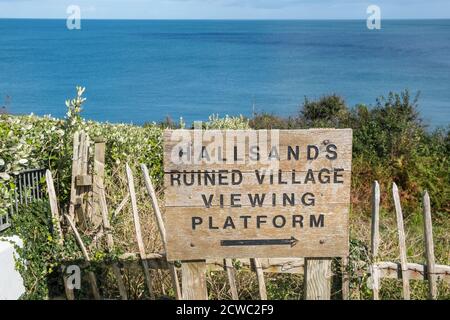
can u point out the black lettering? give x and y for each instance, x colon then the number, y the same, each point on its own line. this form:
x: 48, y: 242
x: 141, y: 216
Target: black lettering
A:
x: 316, y: 223
x: 325, y: 179
x: 196, y: 221
x: 279, y: 217
x: 207, y: 202
x: 297, y: 219
x: 223, y: 177
x: 229, y: 223
x: 292, y: 153
x: 308, y: 199
x: 211, y: 226
x: 260, y: 220
x: 294, y: 175
x: 256, y: 199
x: 310, y: 177
x: 236, y: 177
x: 309, y: 155
x: 338, y: 175
x: 287, y: 199
x: 175, y: 176
x: 245, y: 218
x: 190, y: 183
x: 260, y: 177
x: 332, y: 154
x: 235, y: 198
x: 280, y: 177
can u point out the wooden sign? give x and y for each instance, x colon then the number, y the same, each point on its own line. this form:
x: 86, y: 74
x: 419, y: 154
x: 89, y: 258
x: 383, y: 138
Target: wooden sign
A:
x: 257, y: 193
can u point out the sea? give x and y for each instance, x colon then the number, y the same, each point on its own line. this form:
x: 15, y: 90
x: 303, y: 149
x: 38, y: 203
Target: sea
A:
x: 138, y: 71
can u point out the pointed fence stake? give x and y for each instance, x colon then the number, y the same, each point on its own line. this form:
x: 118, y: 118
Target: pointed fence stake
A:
x: 375, y: 239
x: 429, y: 247
x: 260, y: 277
x: 402, y: 243
x: 137, y: 227
x: 162, y: 229
x: 110, y: 243
x: 57, y: 225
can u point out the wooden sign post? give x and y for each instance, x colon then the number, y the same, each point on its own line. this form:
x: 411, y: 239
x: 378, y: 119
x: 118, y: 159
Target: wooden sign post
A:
x: 257, y: 194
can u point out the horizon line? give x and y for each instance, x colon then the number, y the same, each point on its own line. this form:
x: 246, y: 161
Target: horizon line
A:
x: 223, y: 19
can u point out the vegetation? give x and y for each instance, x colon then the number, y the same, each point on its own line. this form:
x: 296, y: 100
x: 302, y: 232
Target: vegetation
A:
x: 391, y: 144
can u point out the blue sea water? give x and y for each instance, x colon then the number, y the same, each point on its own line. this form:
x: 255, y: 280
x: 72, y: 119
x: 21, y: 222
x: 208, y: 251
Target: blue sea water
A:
x: 138, y: 71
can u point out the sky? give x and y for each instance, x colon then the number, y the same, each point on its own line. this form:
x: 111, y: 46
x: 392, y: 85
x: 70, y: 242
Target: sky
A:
x: 225, y: 9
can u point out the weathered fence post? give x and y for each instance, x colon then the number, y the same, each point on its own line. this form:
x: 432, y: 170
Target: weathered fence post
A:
x: 260, y: 277
x: 98, y: 180
x: 317, y: 279
x: 162, y: 229
x: 375, y: 239
x: 137, y: 227
x: 193, y: 280
x: 57, y: 225
x: 231, y: 274
x: 429, y: 247
x: 401, y: 242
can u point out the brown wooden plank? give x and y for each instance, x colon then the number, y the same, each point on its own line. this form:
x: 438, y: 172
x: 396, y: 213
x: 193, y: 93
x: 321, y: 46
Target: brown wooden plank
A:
x: 402, y: 242
x: 56, y: 219
x: 231, y: 274
x: 98, y: 176
x: 261, y: 280
x: 76, y: 168
x: 193, y: 278
x: 194, y: 196
x: 204, y: 243
x: 174, y: 141
x: 318, y: 279
x: 429, y: 247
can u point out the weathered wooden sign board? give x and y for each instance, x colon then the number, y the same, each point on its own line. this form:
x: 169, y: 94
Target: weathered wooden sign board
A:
x: 251, y: 194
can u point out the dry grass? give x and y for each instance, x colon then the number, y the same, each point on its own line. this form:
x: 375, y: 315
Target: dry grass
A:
x: 279, y: 286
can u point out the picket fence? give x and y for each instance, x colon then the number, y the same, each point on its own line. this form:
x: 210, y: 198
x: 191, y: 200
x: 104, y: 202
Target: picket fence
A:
x: 88, y: 207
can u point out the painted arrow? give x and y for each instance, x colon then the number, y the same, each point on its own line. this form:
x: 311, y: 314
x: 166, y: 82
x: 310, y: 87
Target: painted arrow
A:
x: 259, y: 242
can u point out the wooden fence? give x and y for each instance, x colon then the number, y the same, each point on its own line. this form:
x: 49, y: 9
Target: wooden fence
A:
x: 88, y: 207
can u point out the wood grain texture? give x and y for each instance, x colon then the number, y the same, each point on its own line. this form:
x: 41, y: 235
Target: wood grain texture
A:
x: 76, y: 169
x: 137, y: 227
x: 54, y: 206
x: 261, y: 280
x: 193, y: 279
x: 298, y: 180
x: 317, y: 279
x: 375, y: 239
x: 231, y: 274
x: 98, y: 178
x: 401, y: 242
x: 331, y: 240
x: 174, y: 140
x: 429, y: 247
